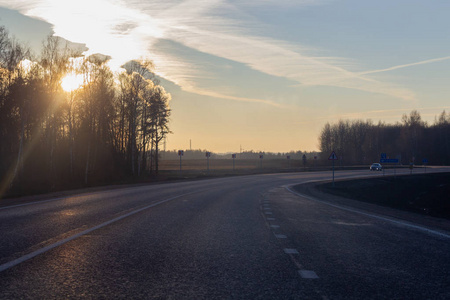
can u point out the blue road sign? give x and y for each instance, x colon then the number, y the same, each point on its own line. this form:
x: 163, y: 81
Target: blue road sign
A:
x: 389, y: 161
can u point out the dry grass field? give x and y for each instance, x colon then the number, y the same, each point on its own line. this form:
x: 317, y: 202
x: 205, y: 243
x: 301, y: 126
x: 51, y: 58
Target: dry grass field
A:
x: 227, y: 164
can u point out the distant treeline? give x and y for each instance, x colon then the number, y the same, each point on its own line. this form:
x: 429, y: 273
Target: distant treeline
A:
x: 201, y: 154
x: 106, y: 128
x: 411, y: 140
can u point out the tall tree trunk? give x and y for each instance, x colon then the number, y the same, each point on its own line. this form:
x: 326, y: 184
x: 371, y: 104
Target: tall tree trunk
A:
x: 151, y: 155
x: 71, y: 135
x: 52, y: 152
x: 19, y: 163
x: 87, y: 163
x: 133, y: 140
x: 156, y: 152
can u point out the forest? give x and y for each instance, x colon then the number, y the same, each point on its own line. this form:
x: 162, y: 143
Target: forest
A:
x: 411, y: 141
x: 67, y: 120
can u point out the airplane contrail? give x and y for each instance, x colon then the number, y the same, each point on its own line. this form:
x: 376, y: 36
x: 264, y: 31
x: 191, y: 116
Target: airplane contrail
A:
x: 406, y: 65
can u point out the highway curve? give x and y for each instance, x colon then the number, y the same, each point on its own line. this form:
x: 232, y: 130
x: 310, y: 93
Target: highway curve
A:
x: 243, y: 237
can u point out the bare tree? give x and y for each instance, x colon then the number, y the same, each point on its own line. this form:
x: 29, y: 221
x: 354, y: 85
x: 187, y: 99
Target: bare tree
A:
x: 160, y: 113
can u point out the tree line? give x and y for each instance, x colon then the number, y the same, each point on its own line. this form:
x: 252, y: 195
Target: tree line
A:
x: 104, y: 127
x: 411, y: 141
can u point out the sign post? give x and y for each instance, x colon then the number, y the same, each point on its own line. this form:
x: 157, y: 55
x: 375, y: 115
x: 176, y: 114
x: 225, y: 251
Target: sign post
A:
x: 289, y: 161
x: 384, y: 160
x: 425, y: 162
x: 384, y: 156
x: 180, y: 154
x: 233, y: 156
x: 333, y: 157
x: 208, y: 155
x: 304, y: 162
x: 260, y: 159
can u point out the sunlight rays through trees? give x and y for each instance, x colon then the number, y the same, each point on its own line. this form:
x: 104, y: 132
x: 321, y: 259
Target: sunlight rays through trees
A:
x: 68, y: 120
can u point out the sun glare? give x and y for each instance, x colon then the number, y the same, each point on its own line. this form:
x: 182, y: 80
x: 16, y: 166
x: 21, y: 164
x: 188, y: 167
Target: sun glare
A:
x: 71, y: 82
x: 26, y: 65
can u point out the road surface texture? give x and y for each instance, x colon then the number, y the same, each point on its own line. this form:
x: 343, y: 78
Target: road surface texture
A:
x: 246, y: 237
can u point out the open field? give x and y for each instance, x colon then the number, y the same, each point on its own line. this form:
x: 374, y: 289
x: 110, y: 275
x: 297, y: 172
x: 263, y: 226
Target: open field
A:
x: 227, y: 164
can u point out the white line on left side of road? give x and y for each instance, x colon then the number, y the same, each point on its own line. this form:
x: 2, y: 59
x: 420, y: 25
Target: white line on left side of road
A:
x: 28, y: 256
x: 31, y: 203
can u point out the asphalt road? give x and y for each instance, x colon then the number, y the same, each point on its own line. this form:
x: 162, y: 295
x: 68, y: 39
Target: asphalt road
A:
x: 246, y: 237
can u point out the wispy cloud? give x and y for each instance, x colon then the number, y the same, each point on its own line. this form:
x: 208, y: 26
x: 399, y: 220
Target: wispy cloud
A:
x: 278, y: 58
x: 131, y: 29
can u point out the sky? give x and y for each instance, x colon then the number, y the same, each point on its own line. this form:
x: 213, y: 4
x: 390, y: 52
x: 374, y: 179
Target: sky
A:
x: 263, y: 75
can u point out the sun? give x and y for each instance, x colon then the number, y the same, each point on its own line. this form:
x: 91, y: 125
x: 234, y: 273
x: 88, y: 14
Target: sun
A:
x: 71, y: 82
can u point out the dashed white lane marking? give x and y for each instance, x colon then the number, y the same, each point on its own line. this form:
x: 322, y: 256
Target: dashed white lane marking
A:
x: 280, y: 236
x: 293, y: 253
x: 63, y: 241
x: 307, y: 274
x: 290, y: 251
x: 268, y: 212
x: 354, y: 210
x: 267, y: 208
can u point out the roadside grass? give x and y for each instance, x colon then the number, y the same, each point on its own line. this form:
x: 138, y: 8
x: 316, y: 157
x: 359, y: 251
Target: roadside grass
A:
x: 426, y: 194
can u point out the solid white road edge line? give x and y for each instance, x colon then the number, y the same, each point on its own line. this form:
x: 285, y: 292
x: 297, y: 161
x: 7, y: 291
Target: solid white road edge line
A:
x: 26, y: 257
x: 397, y: 222
x: 290, y: 251
x: 308, y: 274
x: 31, y: 203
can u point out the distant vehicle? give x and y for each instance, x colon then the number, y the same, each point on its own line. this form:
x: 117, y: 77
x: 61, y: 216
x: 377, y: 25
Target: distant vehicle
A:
x: 376, y: 167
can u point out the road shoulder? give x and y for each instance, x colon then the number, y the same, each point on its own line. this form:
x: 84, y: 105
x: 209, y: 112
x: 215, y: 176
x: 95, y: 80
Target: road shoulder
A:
x: 309, y: 189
